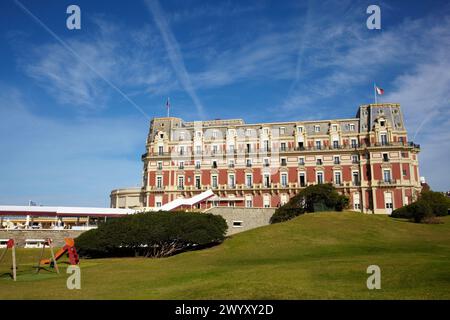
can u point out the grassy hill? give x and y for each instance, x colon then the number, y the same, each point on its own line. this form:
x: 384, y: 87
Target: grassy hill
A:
x: 315, y: 256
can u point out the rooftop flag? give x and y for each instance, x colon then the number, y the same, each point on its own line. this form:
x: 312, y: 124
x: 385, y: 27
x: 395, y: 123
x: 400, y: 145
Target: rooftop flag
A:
x: 379, y: 90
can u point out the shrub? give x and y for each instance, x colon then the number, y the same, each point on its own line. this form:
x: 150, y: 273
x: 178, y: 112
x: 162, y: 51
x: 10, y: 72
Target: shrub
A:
x: 416, y: 211
x: 439, y: 202
x: 320, y: 197
x: 152, y: 234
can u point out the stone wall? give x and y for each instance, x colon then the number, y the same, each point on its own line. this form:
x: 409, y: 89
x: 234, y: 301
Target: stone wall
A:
x: 249, y: 218
x: 57, y: 236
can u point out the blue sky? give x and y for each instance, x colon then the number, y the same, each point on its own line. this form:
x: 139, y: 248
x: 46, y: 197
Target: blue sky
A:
x: 75, y: 104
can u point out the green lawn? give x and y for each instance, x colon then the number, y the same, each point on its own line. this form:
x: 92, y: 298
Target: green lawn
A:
x: 315, y: 256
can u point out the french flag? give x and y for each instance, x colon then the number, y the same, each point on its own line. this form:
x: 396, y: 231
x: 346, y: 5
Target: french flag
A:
x: 379, y: 91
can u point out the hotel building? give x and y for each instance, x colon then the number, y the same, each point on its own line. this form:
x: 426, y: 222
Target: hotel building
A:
x: 368, y: 158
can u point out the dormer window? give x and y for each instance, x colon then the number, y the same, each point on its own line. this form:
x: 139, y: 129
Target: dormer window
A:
x: 282, y: 130
x: 352, y: 127
x: 316, y: 128
x: 382, y: 123
x: 300, y: 129
x: 334, y: 127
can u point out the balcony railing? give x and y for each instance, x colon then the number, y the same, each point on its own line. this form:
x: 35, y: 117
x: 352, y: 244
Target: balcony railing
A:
x: 387, y: 182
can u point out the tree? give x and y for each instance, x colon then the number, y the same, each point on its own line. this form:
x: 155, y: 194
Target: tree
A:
x: 152, y: 234
x: 320, y: 197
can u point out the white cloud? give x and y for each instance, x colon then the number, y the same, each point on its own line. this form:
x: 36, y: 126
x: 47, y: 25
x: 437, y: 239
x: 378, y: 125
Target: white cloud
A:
x: 129, y: 59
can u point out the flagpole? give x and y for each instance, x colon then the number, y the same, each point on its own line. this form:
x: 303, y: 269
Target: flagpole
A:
x: 375, y: 92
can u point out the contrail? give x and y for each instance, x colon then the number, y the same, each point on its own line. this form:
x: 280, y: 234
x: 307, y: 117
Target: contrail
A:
x: 174, y: 53
x: 73, y: 52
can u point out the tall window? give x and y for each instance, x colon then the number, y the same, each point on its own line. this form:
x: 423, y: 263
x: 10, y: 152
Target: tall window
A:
x: 283, y: 146
x: 337, y: 160
x: 214, y: 182
x: 318, y: 144
x: 231, y: 181
x: 160, y: 150
x: 159, y: 165
x: 284, y: 180
x: 355, y: 176
x: 387, y: 175
x: 383, y: 139
x: 266, y: 180
x: 337, y: 178
x: 302, y: 179
x: 180, y: 182
x: 301, y: 161
x: 319, y: 177
x: 335, y: 144
x: 198, y: 149
x: 249, y: 180
x: 354, y: 143
x: 197, y: 182
x: 266, y: 145
x: 159, y: 182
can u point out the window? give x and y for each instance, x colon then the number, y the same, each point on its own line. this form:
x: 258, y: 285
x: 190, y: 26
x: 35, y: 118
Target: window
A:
x: 214, y: 164
x: 404, y: 172
x: 180, y: 182
x: 385, y: 157
x: 319, y: 162
x: 198, y: 149
x: 335, y: 144
x: 215, y: 149
x: 159, y: 165
x: 266, y: 131
x: 354, y: 143
x: 249, y: 180
x: 356, y: 202
x: 337, y: 160
x: 282, y: 130
x: 181, y: 136
x: 319, y: 177
x: 248, y: 132
x: 231, y: 163
x: 214, y: 182
x: 266, y: 180
x: 231, y: 132
x: 231, y: 204
x: 159, y: 182
x: 355, y: 176
x: 355, y: 158
x: 249, y: 148
x: 283, y: 146
x: 266, y: 162
x: 337, y: 178
x: 318, y: 144
x: 302, y: 179
x: 334, y: 127
x: 197, y: 164
x: 231, y: 148
x: 249, y: 203
x: 160, y: 150
x: 181, y: 165
x: 199, y: 134
x: 387, y: 176
x: 248, y: 162
x: 301, y: 161
x: 352, y: 127
x: 266, y: 201
x: 383, y: 139
x: 283, y: 162
x: 231, y: 181
x: 316, y: 128
x: 284, y: 180
x: 266, y: 145
x: 198, y: 184
x: 237, y: 224
x: 214, y: 134
x: 300, y: 129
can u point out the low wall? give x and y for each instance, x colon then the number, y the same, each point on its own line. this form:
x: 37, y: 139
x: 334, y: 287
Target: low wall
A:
x: 248, y: 218
x: 57, y: 236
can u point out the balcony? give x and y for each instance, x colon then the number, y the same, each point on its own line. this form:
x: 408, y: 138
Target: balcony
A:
x: 387, y: 182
